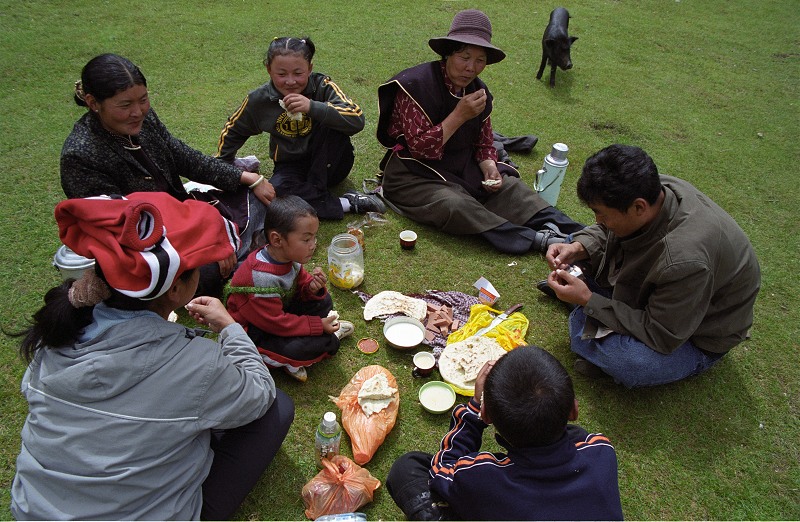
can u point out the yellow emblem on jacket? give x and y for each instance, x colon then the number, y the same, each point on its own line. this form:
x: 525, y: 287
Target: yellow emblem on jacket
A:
x: 286, y: 126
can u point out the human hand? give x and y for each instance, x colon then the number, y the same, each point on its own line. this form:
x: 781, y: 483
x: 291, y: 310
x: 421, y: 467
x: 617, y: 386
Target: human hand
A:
x: 209, y: 311
x: 480, y: 382
x: 492, y: 179
x: 472, y: 104
x: 569, y: 288
x: 561, y: 255
x: 265, y: 192
x: 227, y: 265
x: 318, y: 280
x: 295, y: 102
x: 330, y: 324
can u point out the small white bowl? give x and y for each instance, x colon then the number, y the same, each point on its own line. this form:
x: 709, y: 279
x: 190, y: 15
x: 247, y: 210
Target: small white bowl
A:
x: 437, y: 397
x: 403, y: 332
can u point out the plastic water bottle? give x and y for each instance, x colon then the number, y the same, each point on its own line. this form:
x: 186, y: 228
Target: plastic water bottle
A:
x: 328, y: 438
x: 549, y: 178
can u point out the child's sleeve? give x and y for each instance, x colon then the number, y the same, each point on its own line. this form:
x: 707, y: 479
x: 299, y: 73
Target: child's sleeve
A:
x: 242, y: 124
x: 267, y: 314
x: 264, y: 310
x: 464, y: 438
x: 460, y: 469
x: 335, y: 110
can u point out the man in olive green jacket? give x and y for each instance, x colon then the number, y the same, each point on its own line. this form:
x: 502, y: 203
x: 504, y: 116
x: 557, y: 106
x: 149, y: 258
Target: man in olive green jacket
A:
x: 672, y: 278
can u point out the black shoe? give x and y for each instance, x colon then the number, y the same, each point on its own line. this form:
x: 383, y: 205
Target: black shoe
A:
x: 544, y: 288
x: 588, y: 369
x: 363, y: 203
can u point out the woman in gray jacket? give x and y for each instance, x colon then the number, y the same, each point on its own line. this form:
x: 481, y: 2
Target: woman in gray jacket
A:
x: 132, y: 416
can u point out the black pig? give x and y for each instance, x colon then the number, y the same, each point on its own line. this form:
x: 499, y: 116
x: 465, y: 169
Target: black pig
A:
x: 556, y: 44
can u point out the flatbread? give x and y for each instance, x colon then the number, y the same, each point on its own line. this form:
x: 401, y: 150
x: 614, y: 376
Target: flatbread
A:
x: 390, y: 302
x: 295, y: 116
x: 460, y: 362
x: 375, y: 394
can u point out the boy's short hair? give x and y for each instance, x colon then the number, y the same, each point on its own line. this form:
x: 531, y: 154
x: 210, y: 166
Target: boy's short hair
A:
x: 283, y: 212
x: 529, y: 396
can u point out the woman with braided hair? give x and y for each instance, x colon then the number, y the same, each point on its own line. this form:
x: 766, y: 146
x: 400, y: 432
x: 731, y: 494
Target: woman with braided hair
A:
x: 120, y: 146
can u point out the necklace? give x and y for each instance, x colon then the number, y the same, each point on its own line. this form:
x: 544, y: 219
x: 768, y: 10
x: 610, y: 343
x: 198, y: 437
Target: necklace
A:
x: 126, y: 141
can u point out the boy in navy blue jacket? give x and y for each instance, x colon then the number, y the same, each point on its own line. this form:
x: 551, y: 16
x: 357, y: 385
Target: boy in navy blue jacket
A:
x: 552, y: 471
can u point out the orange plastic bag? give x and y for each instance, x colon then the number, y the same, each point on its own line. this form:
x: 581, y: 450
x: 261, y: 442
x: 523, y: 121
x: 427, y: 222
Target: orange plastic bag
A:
x: 366, y: 433
x: 341, y: 487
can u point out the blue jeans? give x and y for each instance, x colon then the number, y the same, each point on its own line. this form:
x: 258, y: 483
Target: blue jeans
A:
x: 631, y: 362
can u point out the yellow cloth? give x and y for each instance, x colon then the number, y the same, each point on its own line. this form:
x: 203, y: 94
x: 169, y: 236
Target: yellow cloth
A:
x: 510, y: 333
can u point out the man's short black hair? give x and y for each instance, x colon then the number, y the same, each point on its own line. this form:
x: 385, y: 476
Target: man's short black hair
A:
x: 529, y: 396
x: 617, y: 175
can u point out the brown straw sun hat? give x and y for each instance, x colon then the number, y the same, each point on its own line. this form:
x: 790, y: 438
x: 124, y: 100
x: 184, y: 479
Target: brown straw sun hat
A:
x: 470, y: 27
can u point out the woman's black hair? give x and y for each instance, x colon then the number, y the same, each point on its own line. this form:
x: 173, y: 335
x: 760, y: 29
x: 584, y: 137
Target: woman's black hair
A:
x: 449, y: 47
x: 288, y: 45
x: 55, y: 324
x: 106, y: 75
x: 58, y: 322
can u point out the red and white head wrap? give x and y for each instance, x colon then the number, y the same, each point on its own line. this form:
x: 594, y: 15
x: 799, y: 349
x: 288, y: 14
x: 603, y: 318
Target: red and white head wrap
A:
x: 145, y: 240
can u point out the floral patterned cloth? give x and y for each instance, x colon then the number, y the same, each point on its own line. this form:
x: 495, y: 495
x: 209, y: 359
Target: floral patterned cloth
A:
x: 458, y: 301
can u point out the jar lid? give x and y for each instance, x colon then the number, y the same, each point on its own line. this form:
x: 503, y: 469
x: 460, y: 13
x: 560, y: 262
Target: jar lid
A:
x: 345, y: 243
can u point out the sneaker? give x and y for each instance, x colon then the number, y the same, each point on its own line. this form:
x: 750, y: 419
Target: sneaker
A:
x: 545, y: 238
x: 588, y: 369
x: 423, y: 507
x: 363, y: 203
x: 299, y: 375
x: 346, y: 329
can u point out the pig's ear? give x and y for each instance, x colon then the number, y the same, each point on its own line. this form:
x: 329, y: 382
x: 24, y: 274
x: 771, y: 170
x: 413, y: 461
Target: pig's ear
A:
x: 572, y: 39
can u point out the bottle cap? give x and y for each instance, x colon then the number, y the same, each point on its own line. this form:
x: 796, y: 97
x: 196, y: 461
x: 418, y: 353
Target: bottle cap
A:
x: 329, y: 419
x: 559, y: 151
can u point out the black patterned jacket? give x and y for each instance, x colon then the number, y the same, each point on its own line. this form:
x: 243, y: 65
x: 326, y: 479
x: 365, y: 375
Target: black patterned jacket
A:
x: 93, y: 163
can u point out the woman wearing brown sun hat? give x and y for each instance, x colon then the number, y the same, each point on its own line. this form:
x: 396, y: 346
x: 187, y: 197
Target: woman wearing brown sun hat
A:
x: 441, y: 167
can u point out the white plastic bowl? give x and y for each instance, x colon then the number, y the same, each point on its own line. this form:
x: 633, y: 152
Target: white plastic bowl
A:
x: 403, y: 333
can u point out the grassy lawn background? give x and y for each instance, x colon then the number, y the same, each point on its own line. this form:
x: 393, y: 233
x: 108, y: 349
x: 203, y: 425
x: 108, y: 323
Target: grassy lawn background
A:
x: 708, y: 88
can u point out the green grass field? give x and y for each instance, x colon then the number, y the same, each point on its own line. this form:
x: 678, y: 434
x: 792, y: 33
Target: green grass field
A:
x: 708, y: 88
